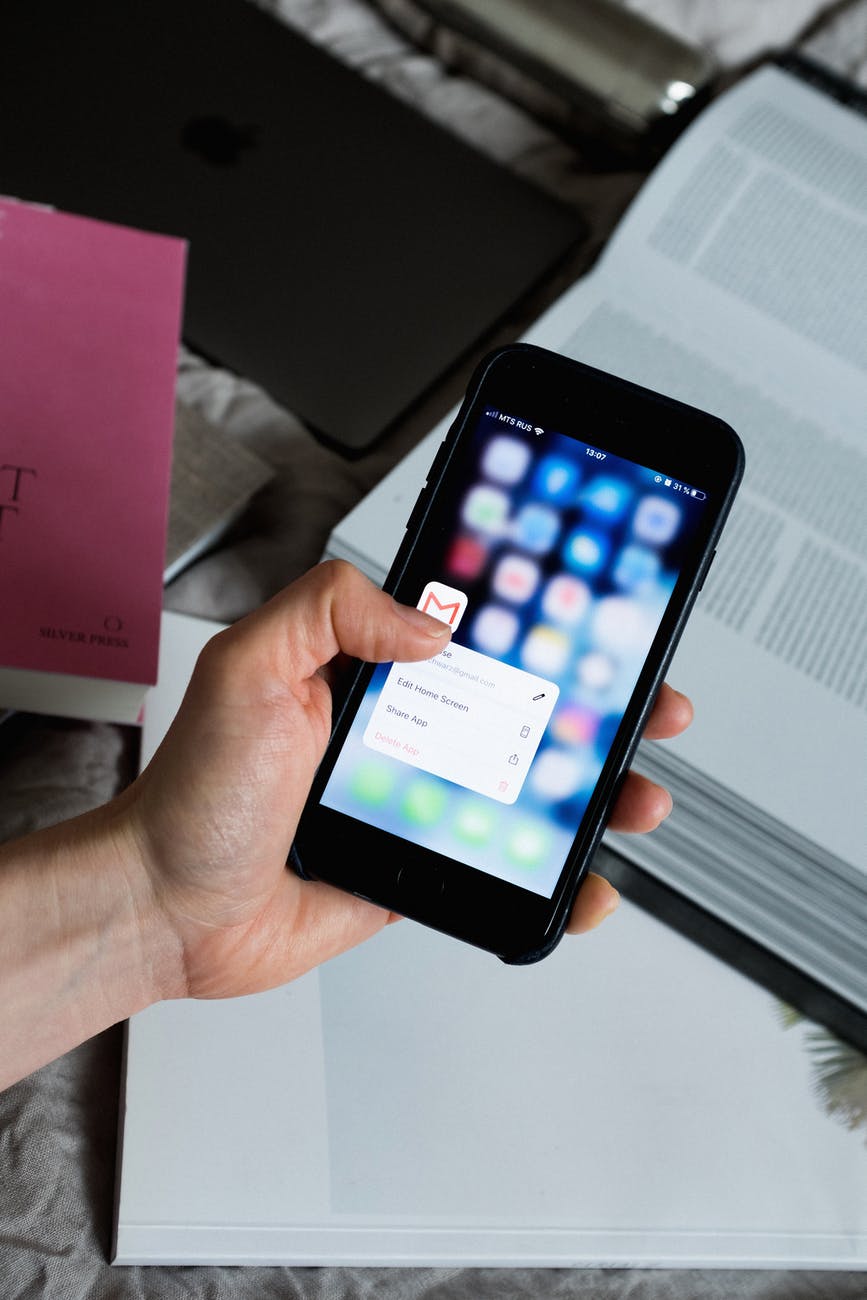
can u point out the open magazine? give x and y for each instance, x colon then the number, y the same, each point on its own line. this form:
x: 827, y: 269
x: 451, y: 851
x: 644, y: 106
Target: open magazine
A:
x: 736, y: 282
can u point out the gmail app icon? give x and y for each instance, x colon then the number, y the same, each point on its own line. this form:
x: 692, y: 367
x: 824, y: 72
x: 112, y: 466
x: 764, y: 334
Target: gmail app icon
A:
x: 445, y: 603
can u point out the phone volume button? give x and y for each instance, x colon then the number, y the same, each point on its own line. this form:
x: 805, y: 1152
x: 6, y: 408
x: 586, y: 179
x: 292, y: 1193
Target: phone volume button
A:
x: 440, y: 457
x: 417, y: 511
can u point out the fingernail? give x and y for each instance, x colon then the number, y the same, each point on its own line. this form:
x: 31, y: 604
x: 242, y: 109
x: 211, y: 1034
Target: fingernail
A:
x: 687, y: 700
x: 434, y: 627
x: 613, y: 902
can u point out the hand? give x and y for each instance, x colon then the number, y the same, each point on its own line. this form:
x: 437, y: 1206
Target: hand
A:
x: 179, y: 886
x: 215, y: 812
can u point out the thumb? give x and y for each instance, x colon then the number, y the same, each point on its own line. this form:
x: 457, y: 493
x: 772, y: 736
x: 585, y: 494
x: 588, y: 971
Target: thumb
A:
x: 334, y: 609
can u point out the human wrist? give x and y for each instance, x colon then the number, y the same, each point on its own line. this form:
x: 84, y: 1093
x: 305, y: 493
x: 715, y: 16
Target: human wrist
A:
x: 116, y: 850
x: 83, y: 943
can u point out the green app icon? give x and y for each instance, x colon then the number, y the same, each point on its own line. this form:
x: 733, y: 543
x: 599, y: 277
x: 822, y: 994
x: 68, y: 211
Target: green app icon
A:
x: 423, y: 803
x: 527, y: 845
x: 372, y: 783
x: 474, y: 823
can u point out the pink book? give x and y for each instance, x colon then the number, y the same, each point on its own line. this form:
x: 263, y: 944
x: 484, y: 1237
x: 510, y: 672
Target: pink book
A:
x: 90, y: 319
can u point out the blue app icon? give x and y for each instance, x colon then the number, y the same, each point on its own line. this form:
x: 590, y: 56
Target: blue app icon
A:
x: 637, y: 568
x: 586, y: 550
x: 556, y: 479
x: 656, y: 521
x: 606, y: 497
x: 536, y: 528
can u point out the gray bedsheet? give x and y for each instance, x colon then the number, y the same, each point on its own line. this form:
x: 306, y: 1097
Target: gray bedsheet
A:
x: 58, y: 1127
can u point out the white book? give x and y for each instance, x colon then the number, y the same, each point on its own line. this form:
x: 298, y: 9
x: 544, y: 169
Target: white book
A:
x: 737, y: 282
x: 631, y: 1100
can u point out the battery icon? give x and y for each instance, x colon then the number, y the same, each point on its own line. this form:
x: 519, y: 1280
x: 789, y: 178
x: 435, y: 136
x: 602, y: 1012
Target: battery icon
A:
x: 668, y: 482
x: 699, y: 496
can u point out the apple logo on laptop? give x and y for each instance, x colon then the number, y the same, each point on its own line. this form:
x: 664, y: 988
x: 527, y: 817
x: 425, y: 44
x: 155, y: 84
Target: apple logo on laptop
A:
x: 217, y: 140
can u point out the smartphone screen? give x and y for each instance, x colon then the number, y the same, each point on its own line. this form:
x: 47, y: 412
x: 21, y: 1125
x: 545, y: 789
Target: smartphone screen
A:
x: 563, y: 535
x: 554, y: 569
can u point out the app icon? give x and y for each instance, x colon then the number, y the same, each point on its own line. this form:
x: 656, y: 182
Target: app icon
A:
x: 485, y: 509
x: 595, y: 671
x: 586, y: 551
x: 556, y: 479
x: 565, y: 600
x: 656, y: 521
x: 536, y: 528
x: 505, y: 460
x: 495, y: 629
x: 445, y: 603
x: 371, y: 783
x: 467, y: 557
x: 637, y: 568
x: 545, y: 650
x: 606, y: 497
x: 474, y: 823
x: 423, y: 803
x: 515, y: 579
x: 558, y: 774
x: 574, y: 725
x: 623, y: 625
x: 527, y: 845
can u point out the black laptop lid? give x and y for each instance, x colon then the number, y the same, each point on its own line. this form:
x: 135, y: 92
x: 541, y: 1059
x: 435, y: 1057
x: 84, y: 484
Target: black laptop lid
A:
x: 344, y: 250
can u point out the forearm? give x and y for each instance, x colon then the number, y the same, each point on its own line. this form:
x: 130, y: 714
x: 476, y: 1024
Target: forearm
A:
x: 82, y: 943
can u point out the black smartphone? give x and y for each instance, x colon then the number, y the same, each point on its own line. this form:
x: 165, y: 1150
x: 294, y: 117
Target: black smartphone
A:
x: 564, y: 532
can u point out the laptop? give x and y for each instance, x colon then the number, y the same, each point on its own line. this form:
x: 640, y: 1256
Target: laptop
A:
x: 344, y: 251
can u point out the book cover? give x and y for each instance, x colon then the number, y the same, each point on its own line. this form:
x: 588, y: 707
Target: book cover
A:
x: 89, y: 335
